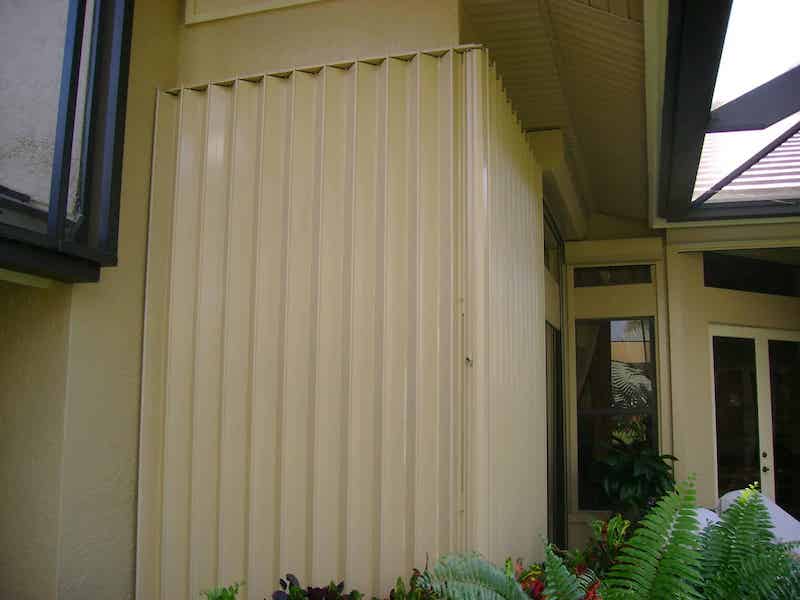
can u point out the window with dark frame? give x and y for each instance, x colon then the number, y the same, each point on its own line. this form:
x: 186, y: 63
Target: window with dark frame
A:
x: 616, y: 394
x: 62, y: 113
x: 615, y: 275
x: 775, y: 271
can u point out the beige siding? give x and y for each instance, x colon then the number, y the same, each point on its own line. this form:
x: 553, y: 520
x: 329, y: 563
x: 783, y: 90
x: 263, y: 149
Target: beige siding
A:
x: 507, y: 440
x: 303, y: 356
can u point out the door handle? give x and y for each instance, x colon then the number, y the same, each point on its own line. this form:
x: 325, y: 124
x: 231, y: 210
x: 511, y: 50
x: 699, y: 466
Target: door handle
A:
x: 764, y: 469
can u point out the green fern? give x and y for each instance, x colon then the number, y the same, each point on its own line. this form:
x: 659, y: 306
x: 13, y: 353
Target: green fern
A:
x: 470, y: 577
x: 741, y: 558
x: 560, y: 583
x: 661, y: 560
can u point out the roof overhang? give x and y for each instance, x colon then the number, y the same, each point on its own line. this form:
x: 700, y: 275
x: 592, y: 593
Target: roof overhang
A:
x: 559, y: 182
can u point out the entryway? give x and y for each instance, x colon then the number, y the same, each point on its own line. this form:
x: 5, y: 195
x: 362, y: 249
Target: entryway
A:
x: 756, y: 389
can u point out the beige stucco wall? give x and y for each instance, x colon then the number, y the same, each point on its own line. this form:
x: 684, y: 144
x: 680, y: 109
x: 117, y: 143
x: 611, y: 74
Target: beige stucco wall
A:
x: 99, y: 469
x: 78, y: 540
x: 33, y: 328
x: 692, y: 308
x: 312, y: 34
x: 70, y: 381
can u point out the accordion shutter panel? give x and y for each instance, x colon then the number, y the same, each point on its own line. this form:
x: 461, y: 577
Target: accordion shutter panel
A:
x: 306, y: 311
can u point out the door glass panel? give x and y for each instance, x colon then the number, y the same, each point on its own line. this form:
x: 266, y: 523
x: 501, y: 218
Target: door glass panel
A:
x: 736, y: 402
x: 556, y: 485
x: 784, y: 366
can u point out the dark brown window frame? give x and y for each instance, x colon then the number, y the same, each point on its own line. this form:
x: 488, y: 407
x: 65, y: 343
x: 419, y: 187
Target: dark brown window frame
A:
x: 695, y: 38
x: 53, y: 254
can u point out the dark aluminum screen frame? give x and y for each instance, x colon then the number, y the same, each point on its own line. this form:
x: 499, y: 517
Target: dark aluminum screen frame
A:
x: 54, y: 254
x: 695, y: 38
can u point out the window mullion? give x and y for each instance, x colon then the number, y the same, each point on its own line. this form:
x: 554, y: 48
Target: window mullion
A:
x: 65, y: 126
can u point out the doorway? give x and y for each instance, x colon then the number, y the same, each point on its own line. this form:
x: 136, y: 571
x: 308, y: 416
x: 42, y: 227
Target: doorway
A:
x: 757, y: 409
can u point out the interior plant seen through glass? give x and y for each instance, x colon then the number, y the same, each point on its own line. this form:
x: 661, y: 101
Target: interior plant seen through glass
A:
x: 616, y: 387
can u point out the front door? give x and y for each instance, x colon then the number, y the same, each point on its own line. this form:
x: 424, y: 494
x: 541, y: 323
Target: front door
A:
x: 757, y: 411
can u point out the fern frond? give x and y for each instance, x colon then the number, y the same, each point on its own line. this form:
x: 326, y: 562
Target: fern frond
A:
x: 661, y: 560
x: 560, y: 583
x: 741, y: 557
x: 470, y: 577
x: 630, y: 386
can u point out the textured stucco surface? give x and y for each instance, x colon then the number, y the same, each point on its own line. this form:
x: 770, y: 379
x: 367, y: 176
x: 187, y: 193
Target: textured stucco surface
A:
x: 70, y: 383
x: 313, y: 34
x: 101, y: 422
x: 33, y: 328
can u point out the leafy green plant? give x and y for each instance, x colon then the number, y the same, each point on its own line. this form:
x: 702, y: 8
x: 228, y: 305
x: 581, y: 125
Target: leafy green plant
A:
x: 602, y: 550
x: 224, y: 593
x: 561, y: 583
x: 665, y: 558
x: 411, y: 591
x: 470, y: 577
x: 608, y: 539
x: 735, y: 558
x: 636, y: 476
x: 292, y: 590
x: 741, y: 558
x: 662, y: 558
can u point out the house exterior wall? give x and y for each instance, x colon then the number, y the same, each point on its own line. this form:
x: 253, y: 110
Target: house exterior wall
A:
x: 506, y: 429
x: 313, y: 34
x: 70, y: 383
x: 303, y: 407
x: 34, y: 323
x: 692, y: 309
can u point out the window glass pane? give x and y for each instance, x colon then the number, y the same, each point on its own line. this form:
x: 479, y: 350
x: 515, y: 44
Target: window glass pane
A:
x: 760, y: 44
x: 556, y: 482
x: 552, y: 252
x: 784, y: 366
x: 622, y: 275
x: 32, y: 38
x: 766, y: 271
x: 595, y: 433
x: 76, y: 208
x: 736, y: 403
x: 615, y: 364
x: 616, y: 386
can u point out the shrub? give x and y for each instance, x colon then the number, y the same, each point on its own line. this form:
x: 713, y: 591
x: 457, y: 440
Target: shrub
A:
x: 292, y: 590
x: 735, y: 558
x: 223, y: 593
x: 602, y: 551
x: 665, y: 558
x: 470, y: 577
x: 636, y: 476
